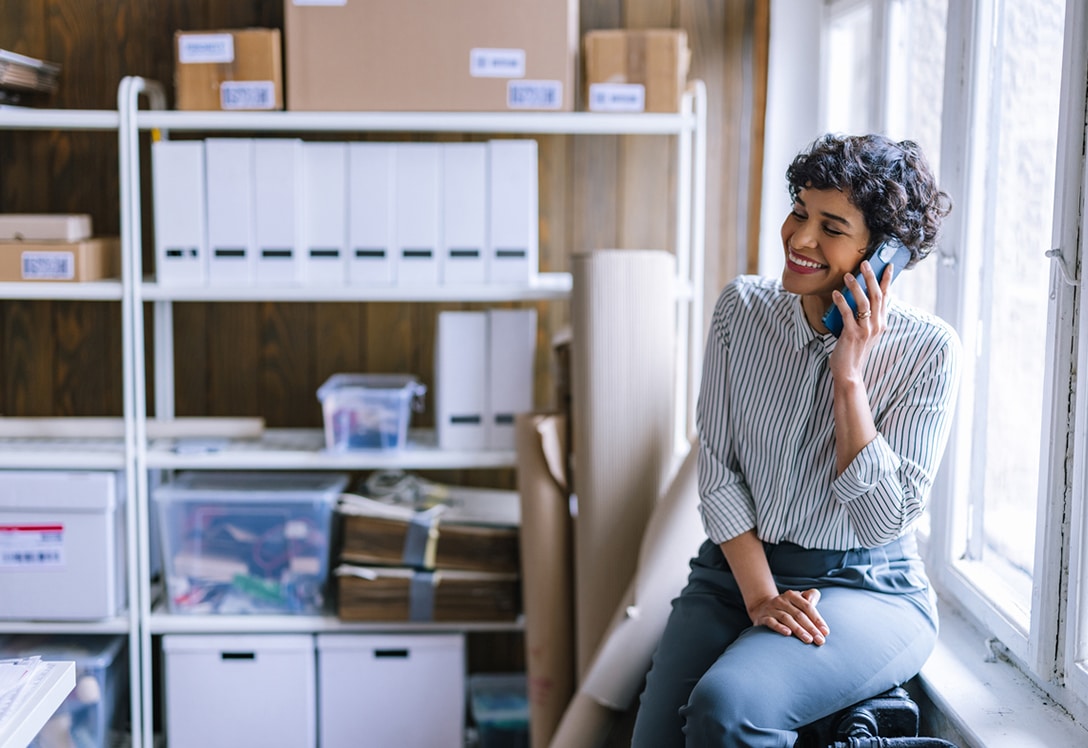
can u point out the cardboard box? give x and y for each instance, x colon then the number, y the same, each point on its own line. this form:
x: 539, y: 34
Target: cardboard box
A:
x: 93, y: 259
x: 239, y: 69
x: 45, y: 227
x: 431, y: 55
x: 641, y: 70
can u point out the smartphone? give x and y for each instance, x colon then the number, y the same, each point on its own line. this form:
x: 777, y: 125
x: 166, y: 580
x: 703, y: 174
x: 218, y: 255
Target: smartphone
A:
x: 890, y: 252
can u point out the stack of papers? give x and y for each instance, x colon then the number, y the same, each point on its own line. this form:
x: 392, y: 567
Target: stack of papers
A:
x: 30, y: 691
x: 21, y: 73
x: 17, y: 681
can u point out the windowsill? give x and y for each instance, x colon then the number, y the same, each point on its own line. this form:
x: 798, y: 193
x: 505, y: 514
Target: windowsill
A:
x: 988, y: 702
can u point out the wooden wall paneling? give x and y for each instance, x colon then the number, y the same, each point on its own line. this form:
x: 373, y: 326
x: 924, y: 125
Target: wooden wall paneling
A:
x: 594, y: 213
x: 234, y: 359
x: 286, y: 390
x: 647, y: 168
x: 339, y: 339
x: 192, y: 385
x: 87, y: 363
x: 759, y: 57
x: 29, y: 367
x: 554, y: 166
x: 709, y: 27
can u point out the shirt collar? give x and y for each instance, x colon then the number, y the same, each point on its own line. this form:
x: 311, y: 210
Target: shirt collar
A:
x: 803, y: 334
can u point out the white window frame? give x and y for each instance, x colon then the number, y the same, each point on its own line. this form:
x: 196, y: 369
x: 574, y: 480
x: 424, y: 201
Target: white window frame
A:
x: 1036, y: 644
x: 1071, y: 237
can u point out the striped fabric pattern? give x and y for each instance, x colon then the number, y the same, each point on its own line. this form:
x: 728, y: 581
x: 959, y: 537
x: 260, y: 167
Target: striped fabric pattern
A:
x: 764, y: 415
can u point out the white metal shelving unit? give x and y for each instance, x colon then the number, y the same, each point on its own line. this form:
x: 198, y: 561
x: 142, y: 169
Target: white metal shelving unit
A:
x: 116, y: 454
x: 300, y: 448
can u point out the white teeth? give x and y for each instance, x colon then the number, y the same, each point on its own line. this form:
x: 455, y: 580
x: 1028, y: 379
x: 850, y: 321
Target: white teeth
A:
x: 798, y: 260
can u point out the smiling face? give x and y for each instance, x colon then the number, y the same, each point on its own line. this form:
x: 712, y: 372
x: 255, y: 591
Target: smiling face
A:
x: 824, y: 237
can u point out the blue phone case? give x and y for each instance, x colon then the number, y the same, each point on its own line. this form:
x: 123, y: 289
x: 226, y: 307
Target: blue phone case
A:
x: 892, y: 252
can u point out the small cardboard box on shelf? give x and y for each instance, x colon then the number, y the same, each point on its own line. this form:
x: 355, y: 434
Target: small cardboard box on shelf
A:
x: 636, y: 70
x: 87, y: 260
x: 239, y: 69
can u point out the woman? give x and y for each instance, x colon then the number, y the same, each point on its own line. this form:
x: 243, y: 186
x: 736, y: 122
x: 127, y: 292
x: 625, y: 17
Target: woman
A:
x: 817, y: 455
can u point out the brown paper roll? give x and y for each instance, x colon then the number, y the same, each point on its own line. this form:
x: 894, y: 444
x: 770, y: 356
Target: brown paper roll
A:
x: 546, y: 570
x: 623, y: 364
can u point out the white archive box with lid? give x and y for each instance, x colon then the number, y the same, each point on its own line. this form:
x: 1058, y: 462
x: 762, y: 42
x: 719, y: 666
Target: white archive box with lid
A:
x: 62, y: 545
x: 391, y: 690
x: 240, y: 690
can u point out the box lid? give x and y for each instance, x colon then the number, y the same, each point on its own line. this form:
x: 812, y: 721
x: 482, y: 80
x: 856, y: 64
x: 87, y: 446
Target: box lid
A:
x: 75, y: 491
x: 253, y: 486
x: 200, y: 643
x: 370, y: 642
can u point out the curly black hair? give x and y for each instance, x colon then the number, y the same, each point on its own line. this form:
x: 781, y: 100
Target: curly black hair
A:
x: 889, y: 182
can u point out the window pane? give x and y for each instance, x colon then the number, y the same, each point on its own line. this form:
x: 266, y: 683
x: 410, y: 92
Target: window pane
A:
x: 916, y: 104
x: 1015, y: 274
x: 849, y: 68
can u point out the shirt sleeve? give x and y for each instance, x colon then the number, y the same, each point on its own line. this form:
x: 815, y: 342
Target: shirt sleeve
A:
x: 725, y: 501
x: 886, y: 487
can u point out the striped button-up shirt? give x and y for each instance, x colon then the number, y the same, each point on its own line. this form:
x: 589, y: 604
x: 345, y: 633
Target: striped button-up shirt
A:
x: 767, y: 429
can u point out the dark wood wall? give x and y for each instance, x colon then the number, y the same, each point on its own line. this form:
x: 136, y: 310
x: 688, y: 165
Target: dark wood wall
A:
x: 267, y: 359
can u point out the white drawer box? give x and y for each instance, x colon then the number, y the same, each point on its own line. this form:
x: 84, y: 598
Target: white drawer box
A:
x: 243, y: 690
x: 380, y: 690
x: 62, y: 544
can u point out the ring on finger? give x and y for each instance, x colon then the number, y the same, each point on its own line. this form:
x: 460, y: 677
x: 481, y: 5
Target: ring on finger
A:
x: 863, y: 315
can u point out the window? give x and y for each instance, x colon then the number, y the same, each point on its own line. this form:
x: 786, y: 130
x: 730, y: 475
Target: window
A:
x: 994, y: 91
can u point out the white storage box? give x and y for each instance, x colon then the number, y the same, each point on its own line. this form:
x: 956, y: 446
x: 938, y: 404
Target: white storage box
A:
x: 369, y: 411
x: 99, y: 701
x: 250, y: 690
x: 62, y: 545
x: 237, y: 543
x: 380, y: 690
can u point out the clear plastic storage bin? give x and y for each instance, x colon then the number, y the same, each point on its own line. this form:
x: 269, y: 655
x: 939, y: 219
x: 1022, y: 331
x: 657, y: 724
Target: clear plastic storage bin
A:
x: 236, y: 543
x: 97, y: 704
x: 369, y: 411
x: 500, y: 709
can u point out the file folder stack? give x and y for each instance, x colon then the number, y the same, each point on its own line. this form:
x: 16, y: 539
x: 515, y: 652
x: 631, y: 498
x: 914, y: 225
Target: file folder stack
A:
x: 242, y: 211
x: 483, y: 376
x: 456, y: 560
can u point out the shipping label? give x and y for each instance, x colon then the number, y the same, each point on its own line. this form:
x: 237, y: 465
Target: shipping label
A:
x: 496, y: 63
x: 534, y: 95
x: 617, y: 97
x: 247, y: 95
x: 204, y: 48
x: 48, y: 265
x: 31, y: 547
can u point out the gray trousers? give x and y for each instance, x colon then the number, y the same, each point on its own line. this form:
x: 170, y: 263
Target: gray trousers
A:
x: 717, y: 680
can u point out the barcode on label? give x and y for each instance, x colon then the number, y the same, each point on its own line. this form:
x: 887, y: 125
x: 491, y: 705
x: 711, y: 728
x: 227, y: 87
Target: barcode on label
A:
x: 48, y: 265
x: 25, y: 558
x: 496, y: 63
x: 534, y: 94
x: 247, y: 95
x: 617, y: 97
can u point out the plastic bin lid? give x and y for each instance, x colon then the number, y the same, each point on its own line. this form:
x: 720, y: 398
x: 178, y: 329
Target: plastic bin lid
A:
x: 253, y: 486
x: 370, y: 382
x: 86, y: 651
